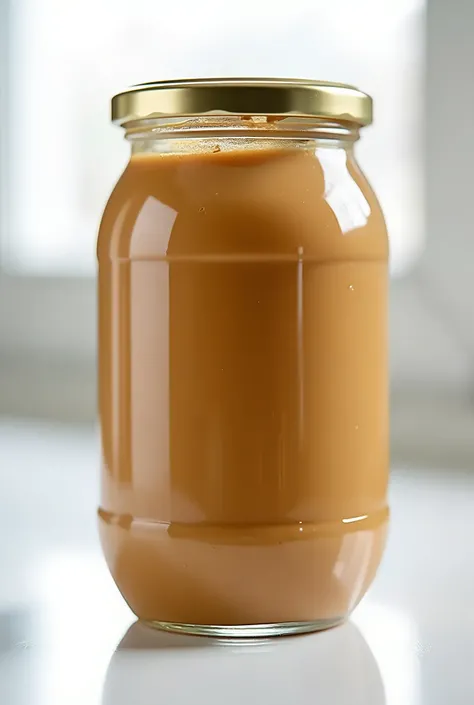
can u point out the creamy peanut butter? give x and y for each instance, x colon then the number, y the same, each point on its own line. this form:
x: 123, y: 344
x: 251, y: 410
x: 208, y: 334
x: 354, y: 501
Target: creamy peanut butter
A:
x: 243, y: 383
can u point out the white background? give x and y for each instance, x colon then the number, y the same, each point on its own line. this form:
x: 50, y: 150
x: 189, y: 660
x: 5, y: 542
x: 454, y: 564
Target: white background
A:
x: 60, y: 615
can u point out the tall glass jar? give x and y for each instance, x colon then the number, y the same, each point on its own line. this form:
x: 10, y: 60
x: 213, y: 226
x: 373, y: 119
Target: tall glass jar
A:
x: 243, y: 358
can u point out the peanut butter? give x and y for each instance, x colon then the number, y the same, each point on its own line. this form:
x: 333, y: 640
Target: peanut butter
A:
x: 243, y: 384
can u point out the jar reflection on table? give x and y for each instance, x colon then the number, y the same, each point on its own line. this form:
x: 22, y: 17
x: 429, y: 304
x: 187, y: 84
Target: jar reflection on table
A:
x: 336, y: 667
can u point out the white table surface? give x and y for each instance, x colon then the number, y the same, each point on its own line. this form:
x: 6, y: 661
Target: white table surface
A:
x: 67, y: 637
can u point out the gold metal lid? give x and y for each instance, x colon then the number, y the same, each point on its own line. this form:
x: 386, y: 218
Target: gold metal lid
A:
x: 243, y: 96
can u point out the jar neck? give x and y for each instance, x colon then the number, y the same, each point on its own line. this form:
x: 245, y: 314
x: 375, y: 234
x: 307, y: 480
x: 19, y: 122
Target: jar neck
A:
x: 225, y: 132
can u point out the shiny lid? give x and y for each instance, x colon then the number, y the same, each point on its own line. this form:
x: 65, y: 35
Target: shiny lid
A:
x: 243, y: 96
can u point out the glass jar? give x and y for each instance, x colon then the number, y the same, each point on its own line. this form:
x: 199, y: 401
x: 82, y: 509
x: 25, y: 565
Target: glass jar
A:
x: 243, y: 358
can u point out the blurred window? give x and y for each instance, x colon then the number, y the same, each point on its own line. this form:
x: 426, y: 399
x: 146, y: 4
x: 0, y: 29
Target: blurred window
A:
x: 67, y: 59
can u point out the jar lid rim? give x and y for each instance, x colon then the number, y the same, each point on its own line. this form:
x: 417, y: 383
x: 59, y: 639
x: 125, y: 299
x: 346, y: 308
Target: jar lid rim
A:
x: 242, y: 96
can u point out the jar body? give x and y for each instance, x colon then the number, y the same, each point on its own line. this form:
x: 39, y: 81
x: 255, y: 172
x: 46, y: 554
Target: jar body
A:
x: 243, y: 384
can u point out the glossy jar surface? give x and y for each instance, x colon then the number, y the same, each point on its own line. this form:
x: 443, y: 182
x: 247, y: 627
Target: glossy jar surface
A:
x: 243, y: 376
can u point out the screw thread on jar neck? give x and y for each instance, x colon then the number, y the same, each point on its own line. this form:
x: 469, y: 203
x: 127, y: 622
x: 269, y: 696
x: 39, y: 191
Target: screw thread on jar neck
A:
x: 223, y: 132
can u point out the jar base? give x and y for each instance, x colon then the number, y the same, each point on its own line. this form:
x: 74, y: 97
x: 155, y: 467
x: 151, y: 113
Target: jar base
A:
x: 233, y: 631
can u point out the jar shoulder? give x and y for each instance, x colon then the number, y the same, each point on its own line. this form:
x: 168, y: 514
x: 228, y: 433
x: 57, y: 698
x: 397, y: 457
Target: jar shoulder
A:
x: 318, y: 204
